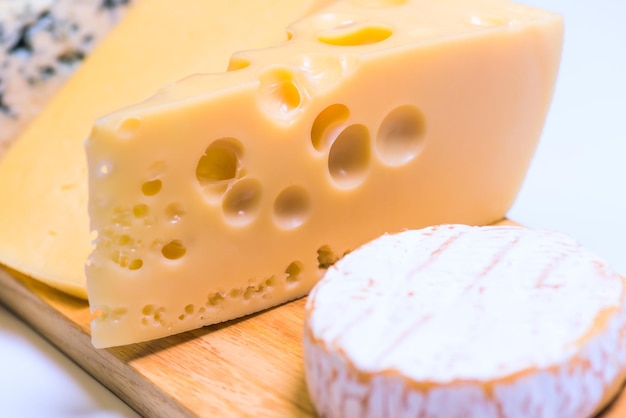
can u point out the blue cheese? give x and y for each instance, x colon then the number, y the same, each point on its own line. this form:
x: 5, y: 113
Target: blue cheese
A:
x: 41, y: 43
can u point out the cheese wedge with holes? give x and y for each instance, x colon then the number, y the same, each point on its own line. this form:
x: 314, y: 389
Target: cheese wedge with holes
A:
x: 458, y: 321
x: 229, y: 193
x: 44, y: 225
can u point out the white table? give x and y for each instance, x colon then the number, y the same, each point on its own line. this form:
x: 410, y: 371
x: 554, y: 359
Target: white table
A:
x: 576, y: 184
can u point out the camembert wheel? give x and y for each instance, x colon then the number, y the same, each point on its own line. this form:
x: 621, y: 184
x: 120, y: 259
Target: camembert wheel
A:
x: 454, y: 321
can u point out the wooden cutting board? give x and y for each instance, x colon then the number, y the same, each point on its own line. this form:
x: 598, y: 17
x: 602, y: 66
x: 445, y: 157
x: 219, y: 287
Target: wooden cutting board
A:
x: 246, y: 367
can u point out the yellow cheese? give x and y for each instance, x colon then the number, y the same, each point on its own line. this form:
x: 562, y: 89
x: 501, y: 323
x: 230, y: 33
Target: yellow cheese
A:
x: 459, y: 321
x: 229, y: 193
x: 44, y: 228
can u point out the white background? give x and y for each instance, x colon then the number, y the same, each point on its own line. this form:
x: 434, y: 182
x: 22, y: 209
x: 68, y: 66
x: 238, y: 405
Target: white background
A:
x: 576, y: 184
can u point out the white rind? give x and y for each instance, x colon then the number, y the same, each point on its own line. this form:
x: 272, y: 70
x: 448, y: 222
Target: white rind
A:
x: 502, y: 322
x: 42, y: 42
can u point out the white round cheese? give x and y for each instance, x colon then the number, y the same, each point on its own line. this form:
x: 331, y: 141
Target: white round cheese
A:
x: 459, y: 321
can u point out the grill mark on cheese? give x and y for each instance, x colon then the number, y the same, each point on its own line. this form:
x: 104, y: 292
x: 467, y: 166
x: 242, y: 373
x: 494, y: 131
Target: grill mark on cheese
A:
x: 549, y: 270
x: 434, y: 255
x: 499, y: 257
x: 393, y: 345
x: 357, y: 319
x: 430, y: 262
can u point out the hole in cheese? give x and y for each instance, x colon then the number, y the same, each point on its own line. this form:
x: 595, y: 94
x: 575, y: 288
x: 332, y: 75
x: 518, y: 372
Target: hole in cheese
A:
x: 141, y: 210
x: 215, y: 299
x: 173, y: 250
x: 128, y: 127
x: 293, y: 271
x: 292, y: 207
x: 218, y: 167
x: 378, y: 3
x: 279, y: 94
x: 327, y: 125
x: 220, y: 161
x: 355, y: 35
x: 250, y: 291
x: 136, y: 264
x: 326, y: 257
x: 122, y: 240
x: 253, y: 289
x: 237, y: 63
x: 151, y: 188
x: 242, y: 202
x: 153, y: 316
x: 107, y: 313
x: 123, y: 259
x: 401, y: 135
x: 349, y: 156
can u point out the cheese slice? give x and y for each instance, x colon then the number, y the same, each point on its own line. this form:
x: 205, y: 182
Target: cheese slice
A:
x: 225, y: 194
x: 44, y: 225
x: 459, y: 321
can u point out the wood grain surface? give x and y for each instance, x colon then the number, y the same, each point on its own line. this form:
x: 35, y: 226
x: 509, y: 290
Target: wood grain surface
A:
x: 247, y: 367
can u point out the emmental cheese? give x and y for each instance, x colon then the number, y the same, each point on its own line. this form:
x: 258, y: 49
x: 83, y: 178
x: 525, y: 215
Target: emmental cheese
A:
x: 228, y: 193
x: 44, y: 226
x: 458, y: 321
